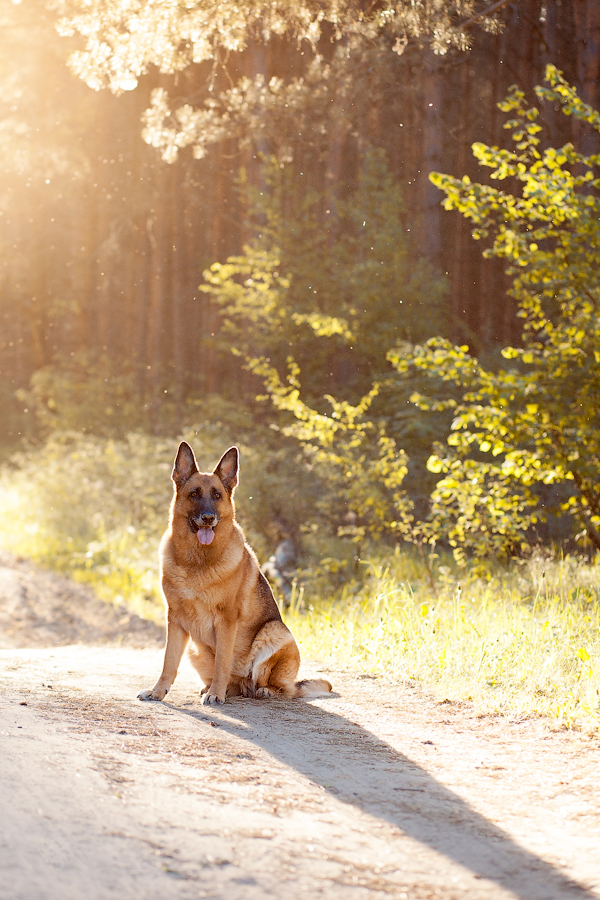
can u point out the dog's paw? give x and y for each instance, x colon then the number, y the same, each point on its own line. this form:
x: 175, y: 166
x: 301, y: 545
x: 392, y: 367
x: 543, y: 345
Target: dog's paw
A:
x: 212, y: 699
x: 153, y: 694
x: 247, y: 689
x: 265, y: 693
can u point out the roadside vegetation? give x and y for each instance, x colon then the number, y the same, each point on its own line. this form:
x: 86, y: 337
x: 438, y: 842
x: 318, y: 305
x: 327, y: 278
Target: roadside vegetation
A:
x: 521, y: 639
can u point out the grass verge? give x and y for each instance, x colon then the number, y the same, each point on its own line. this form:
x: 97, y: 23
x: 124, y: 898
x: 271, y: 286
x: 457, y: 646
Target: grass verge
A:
x: 524, y: 640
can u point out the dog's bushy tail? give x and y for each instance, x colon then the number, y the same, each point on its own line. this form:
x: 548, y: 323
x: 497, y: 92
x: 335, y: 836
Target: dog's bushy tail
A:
x: 311, y: 688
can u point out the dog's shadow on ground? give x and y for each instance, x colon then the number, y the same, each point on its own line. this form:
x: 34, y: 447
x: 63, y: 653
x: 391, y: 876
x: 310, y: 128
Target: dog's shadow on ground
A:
x: 360, y: 769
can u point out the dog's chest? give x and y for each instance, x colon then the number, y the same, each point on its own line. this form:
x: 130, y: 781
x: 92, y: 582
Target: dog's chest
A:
x: 195, y: 615
x: 201, y: 628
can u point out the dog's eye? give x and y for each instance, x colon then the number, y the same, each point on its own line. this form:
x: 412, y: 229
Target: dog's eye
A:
x: 193, y: 495
x: 217, y: 494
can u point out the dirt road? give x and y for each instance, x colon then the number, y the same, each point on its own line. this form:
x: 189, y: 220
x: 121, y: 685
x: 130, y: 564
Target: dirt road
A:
x: 376, y: 791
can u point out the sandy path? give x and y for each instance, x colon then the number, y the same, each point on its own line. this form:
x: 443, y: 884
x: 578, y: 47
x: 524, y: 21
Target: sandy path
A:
x: 374, y: 792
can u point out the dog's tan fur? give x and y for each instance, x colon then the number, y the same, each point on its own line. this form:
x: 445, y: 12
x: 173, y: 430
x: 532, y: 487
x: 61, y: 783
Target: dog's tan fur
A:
x: 217, y: 596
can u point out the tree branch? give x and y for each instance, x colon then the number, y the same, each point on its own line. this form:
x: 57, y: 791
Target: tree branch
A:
x: 484, y: 13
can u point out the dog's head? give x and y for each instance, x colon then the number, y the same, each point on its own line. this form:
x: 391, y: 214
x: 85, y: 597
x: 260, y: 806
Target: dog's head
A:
x: 204, y: 499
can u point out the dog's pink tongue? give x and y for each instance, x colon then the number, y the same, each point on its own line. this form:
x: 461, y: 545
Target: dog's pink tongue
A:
x: 206, y: 535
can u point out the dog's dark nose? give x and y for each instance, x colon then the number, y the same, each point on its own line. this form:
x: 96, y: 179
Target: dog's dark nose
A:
x: 209, y: 520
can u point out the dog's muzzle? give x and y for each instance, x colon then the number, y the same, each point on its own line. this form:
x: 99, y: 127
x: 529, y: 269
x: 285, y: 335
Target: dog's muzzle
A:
x: 204, y: 527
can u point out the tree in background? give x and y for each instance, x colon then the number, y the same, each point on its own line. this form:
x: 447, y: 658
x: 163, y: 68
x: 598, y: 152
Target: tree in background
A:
x: 536, y: 423
x: 361, y: 285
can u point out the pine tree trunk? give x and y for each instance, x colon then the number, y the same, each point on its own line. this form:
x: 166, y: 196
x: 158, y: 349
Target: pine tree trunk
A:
x: 550, y: 57
x: 587, y: 26
x: 159, y: 234
x: 432, y: 155
x: 462, y: 232
x: 178, y: 284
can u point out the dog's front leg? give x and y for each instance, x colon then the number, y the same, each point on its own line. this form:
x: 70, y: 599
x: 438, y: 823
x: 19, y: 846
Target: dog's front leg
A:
x: 225, y: 633
x: 177, y: 639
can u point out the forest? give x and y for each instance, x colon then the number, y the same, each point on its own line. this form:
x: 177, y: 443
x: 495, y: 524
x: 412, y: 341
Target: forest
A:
x: 137, y: 149
x: 359, y: 240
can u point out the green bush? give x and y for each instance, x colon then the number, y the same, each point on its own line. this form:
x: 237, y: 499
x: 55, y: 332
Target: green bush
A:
x: 84, y: 392
x: 535, y: 422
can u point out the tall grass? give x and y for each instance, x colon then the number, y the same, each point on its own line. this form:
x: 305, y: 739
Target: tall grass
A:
x: 524, y: 639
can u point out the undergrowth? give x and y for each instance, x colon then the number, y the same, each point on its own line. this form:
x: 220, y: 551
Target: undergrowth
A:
x: 522, y: 639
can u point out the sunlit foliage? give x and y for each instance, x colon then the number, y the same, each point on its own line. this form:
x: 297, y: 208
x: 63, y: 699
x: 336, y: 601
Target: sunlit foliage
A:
x: 123, y: 38
x: 516, y: 428
x: 536, y: 423
x: 360, y: 466
x: 336, y: 46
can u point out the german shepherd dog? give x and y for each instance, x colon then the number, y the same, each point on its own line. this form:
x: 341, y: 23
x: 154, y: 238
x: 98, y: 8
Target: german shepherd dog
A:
x: 217, y: 596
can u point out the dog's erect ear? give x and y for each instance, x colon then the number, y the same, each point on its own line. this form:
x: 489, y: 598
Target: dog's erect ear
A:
x: 227, y: 469
x: 185, y: 465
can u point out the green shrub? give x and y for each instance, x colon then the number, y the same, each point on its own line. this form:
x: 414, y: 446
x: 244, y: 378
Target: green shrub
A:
x: 533, y: 422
